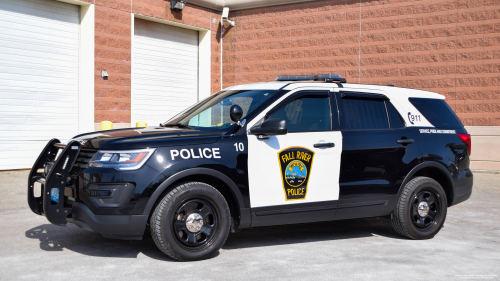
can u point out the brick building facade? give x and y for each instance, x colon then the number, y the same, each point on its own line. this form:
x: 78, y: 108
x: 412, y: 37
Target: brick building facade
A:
x: 451, y: 47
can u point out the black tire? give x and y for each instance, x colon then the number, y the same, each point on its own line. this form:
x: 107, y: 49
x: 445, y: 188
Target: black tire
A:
x: 413, y: 223
x: 181, y: 240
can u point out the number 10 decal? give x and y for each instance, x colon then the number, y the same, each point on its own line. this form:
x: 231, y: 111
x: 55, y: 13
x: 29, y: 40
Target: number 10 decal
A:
x: 239, y: 146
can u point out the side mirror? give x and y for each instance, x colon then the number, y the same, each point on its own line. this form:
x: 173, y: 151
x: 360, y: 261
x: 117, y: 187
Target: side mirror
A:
x: 272, y: 126
x: 235, y: 112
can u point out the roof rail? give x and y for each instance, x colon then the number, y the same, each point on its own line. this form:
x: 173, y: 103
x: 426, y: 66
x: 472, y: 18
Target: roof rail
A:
x: 317, y: 77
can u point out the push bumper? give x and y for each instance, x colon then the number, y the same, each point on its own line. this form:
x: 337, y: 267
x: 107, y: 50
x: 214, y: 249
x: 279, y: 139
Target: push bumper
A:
x: 54, y: 175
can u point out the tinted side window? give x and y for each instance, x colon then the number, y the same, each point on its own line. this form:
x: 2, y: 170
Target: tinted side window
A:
x: 395, y: 119
x: 363, y: 114
x: 437, y: 112
x: 306, y: 114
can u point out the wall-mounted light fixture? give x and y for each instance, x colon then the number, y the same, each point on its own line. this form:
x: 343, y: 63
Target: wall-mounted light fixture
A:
x: 104, y: 75
x: 177, y: 4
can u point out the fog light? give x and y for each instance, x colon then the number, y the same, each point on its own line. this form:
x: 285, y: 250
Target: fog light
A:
x: 110, y: 195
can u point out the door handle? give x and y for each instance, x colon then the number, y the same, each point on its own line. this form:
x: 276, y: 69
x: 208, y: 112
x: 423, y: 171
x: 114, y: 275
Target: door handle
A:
x: 405, y: 141
x: 324, y: 144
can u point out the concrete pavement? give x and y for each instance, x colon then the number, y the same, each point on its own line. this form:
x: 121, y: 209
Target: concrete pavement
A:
x: 466, y: 248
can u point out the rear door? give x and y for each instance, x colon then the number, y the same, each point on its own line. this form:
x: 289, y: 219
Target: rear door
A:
x: 378, y: 152
x: 293, y: 178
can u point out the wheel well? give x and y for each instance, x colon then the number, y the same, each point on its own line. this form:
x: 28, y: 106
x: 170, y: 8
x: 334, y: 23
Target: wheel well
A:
x: 440, y: 177
x: 218, y: 184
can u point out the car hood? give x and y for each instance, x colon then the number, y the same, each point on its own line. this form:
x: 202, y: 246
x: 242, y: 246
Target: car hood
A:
x: 137, y: 138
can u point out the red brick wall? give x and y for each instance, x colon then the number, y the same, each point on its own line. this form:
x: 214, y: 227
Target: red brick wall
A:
x: 113, y: 49
x: 449, y: 47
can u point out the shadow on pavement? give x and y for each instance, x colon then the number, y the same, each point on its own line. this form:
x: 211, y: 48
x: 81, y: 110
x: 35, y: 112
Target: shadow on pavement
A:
x: 311, y: 232
x: 57, y: 238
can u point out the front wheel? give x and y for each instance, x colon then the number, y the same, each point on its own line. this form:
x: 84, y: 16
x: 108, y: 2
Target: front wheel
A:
x: 421, y: 209
x: 191, y: 222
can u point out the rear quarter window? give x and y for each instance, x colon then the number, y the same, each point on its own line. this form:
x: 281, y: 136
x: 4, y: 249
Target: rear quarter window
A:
x: 437, y: 112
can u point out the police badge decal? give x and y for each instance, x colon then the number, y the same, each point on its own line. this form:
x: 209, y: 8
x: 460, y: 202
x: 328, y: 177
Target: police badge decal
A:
x: 296, y: 165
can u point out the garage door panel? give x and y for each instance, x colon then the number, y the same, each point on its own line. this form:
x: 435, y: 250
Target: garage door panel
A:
x: 143, y: 72
x: 57, y: 38
x: 39, y: 50
x: 165, y: 85
x: 166, y: 50
x: 68, y: 60
x: 45, y: 136
x: 14, y: 121
x: 160, y: 63
x: 39, y: 56
x: 171, y: 98
x: 53, y: 10
x: 165, y: 34
x: 45, y: 85
x: 43, y: 73
x: 49, y: 63
x: 163, y: 54
x: 155, y: 101
x: 9, y: 94
x: 32, y: 24
x: 171, y: 40
x: 164, y: 91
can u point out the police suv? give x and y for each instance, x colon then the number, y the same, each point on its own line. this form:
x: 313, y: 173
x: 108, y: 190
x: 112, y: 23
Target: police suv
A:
x: 300, y: 149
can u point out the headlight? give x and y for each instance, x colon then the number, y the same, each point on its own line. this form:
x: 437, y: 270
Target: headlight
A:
x: 121, y: 159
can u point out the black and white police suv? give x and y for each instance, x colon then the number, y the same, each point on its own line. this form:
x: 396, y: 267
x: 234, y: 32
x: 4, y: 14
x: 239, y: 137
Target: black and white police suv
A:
x: 297, y: 150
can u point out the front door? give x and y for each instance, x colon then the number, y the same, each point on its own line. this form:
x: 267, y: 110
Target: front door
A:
x: 293, y: 178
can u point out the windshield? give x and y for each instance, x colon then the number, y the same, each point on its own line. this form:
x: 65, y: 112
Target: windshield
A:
x: 213, y: 112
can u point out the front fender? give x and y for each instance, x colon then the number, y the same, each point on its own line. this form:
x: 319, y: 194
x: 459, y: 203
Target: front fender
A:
x: 244, y: 212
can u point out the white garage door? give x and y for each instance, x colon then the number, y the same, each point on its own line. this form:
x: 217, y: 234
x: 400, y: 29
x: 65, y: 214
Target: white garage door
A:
x: 38, y: 77
x: 164, y: 71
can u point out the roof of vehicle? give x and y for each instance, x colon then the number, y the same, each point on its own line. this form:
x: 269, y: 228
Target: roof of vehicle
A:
x: 391, y: 92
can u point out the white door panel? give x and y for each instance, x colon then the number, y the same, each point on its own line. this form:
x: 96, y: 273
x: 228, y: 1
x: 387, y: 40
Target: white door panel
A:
x: 265, y: 177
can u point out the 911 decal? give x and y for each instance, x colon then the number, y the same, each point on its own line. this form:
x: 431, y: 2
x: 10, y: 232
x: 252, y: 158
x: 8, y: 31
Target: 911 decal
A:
x: 295, y: 165
x: 413, y: 118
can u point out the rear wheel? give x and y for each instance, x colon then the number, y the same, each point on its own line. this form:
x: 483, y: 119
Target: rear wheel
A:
x: 421, y: 209
x: 191, y: 222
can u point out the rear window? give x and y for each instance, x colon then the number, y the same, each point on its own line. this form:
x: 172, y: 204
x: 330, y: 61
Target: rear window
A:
x: 438, y: 112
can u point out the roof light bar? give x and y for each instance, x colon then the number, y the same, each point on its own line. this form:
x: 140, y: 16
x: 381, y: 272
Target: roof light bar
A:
x: 317, y: 77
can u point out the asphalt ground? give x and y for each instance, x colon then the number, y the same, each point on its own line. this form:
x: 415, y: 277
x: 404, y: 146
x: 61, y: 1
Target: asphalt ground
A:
x: 467, y: 248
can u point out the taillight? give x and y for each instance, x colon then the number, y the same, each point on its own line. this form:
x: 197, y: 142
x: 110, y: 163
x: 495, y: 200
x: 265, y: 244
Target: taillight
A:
x: 466, y: 139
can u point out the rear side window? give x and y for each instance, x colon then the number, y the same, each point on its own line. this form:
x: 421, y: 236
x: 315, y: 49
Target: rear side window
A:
x: 364, y: 114
x: 437, y: 111
x: 394, y: 117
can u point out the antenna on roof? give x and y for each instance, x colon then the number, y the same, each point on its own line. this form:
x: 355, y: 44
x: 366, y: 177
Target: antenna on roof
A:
x: 317, y: 77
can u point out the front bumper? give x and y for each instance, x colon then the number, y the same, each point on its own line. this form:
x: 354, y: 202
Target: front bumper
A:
x: 130, y: 227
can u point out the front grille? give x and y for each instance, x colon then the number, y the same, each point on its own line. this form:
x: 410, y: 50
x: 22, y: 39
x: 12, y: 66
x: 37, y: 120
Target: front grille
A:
x: 84, y: 157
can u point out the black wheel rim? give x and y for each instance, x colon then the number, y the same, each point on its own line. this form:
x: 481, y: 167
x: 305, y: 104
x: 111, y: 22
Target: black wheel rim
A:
x: 426, y: 209
x: 194, y: 239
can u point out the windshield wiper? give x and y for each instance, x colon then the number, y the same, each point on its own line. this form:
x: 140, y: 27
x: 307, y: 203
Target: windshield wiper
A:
x: 178, y: 125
